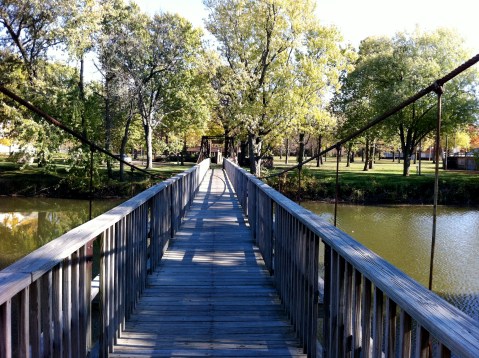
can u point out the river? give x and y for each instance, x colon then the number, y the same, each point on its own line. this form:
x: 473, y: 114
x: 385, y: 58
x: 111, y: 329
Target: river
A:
x: 29, y: 223
x: 402, y: 236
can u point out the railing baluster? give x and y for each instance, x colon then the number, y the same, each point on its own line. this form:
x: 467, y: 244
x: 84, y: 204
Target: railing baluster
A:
x: 366, y: 318
x: 348, y: 307
x: 334, y: 303
x: 327, y: 331
x: 66, y: 307
x: 116, y: 283
x: 341, y: 304
x: 6, y: 328
x: 47, y: 313
x: 313, y: 332
x: 23, y: 323
x: 75, y: 305
x: 35, y: 318
x: 390, y: 328
x: 111, y: 287
x: 356, y: 316
x: 378, y: 322
x: 405, y: 334
x: 57, y: 311
x: 444, y: 352
x: 122, y: 288
x: 422, y: 342
x: 103, y: 294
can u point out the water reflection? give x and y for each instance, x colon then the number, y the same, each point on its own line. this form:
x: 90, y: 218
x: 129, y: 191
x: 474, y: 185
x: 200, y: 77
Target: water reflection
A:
x: 402, y: 236
x: 28, y: 223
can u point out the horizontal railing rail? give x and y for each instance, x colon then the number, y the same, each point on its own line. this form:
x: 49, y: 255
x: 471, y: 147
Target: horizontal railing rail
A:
x: 45, y: 297
x: 370, y: 308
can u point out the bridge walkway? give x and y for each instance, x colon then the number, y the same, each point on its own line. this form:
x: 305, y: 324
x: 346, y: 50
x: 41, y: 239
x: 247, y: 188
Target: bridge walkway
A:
x: 211, y: 295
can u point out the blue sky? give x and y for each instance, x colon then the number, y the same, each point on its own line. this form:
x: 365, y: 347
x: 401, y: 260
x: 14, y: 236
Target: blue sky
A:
x: 360, y: 19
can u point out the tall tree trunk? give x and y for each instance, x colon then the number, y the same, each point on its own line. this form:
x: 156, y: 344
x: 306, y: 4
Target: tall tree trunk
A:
x: 366, y: 156
x: 183, y: 152
x: 444, y: 163
x: 242, y: 154
x: 108, y: 124
x: 372, y: 154
x: 124, y: 140
x: 149, y: 144
x: 287, y: 151
x: 407, y: 146
x: 319, y: 160
x: 226, y: 150
x: 420, y: 158
x: 301, y: 148
x: 348, y: 160
x: 255, y: 144
x: 259, y: 154
x: 252, y: 159
x: 406, y: 163
x: 81, y: 88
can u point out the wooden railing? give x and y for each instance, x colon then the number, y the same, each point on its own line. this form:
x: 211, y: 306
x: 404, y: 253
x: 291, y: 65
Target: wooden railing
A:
x: 45, y: 298
x: 370, y: 308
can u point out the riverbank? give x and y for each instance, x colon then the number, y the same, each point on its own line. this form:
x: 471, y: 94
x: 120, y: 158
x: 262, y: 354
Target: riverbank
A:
x: 385, y: 184
x: 32, y: 181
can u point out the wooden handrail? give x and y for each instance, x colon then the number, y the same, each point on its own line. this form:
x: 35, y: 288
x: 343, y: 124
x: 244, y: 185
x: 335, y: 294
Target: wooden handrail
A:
x: 45, y: 297
x: 370, y: 306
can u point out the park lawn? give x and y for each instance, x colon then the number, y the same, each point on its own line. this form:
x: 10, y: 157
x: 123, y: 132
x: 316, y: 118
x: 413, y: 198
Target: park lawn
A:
x: 383, y: 184
x: 29, y: 180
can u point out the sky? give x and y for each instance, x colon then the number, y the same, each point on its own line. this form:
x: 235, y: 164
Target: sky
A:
x: 358, y: 19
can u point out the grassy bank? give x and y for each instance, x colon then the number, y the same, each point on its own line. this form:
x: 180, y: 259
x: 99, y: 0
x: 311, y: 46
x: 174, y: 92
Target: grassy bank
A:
x: 34, y: 181
x: 385, y: 184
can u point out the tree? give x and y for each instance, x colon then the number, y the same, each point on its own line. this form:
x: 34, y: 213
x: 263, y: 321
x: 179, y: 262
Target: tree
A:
x: 162, y: 47
x: 35, y: 33
x: 113, y: 42
x: 225, y: 109
x: 391, y: 70
x: 32, y: 28
x: 320, y: 63
x: 82, y: 23
x: 358, y: 100
x: 256, y: 40
x: 188, y: 99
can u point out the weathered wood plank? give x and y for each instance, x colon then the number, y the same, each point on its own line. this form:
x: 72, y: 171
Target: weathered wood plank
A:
x: 211, y: 293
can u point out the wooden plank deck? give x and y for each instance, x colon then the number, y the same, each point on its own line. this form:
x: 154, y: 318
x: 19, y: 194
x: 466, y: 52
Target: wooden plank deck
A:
x: 211, y: 295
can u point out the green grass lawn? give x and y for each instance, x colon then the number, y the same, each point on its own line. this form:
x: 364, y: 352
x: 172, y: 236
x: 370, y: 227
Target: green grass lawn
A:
x: 58, y: 181
x: 383, y: 184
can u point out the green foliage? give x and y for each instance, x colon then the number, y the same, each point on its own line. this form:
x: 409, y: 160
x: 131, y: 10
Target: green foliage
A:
x: 389, y: 70
x: 277, y: 70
